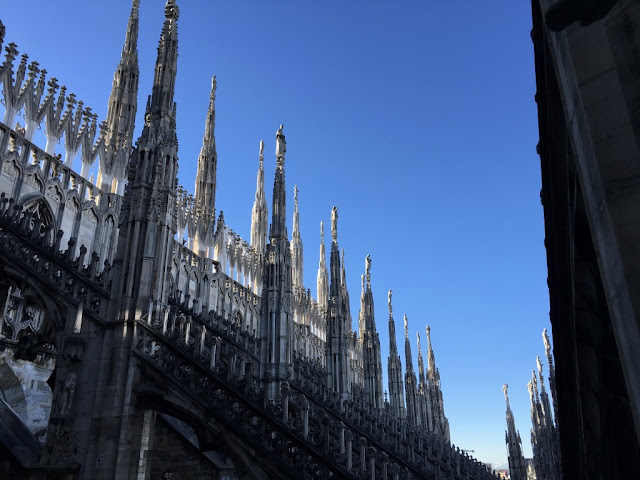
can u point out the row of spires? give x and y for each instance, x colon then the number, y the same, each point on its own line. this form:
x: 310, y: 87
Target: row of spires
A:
x: 544, y: 430
x: 153, y: 171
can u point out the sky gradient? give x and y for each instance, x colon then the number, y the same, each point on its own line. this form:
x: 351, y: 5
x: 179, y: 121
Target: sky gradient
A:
x: 417, y: 119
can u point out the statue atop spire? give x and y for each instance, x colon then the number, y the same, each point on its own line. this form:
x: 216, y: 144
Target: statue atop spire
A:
x: 171, y: 10
x: 505, y: 390
x: 281, y: 144
x: 389, y: 294
x: 334, y: 224
x: 368, y: 270
x: 279, y: 201
x: 406, y: 326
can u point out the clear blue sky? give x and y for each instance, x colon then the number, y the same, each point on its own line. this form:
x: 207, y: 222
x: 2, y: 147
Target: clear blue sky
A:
x: 416, y: 118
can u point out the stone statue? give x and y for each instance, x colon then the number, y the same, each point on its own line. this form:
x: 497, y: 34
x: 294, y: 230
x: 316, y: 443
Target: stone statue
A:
x: 389, y: 300
x: 547, y: 345
x: 321, y: 231
x: 295, y: 194
x: 505, y: 389
x: 261, y: 149
x: 281, y: 144
x: 68, y: 389
x: 334, y: 223
x: 406, y: 325
x: 368, y: 268
x: 539, y: 366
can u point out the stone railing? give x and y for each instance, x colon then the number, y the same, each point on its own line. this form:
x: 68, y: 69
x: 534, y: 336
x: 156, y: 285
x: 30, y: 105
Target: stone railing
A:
x: 312, y: 433
x: 28, y: 243
x: 409, y: 446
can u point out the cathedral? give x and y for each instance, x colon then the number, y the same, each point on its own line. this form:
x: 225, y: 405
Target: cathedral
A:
x: 141, y: 337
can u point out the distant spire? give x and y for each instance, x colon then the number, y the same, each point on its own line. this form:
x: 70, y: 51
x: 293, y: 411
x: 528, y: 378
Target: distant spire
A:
x: 441, y: 423
x: 161, y: 101
x: 370, y: 342
x: 421, y: 377
x: 278, y: 210
x: 413, y: 410
x: 394, y: 365
x: 323, y: 276
x: 517, y: 467
x: 296, y: 245
x: 123, y: 104
x: 334, y: 259
x: 552, y: 372
x: 259, y: 212
x: 205, y: 197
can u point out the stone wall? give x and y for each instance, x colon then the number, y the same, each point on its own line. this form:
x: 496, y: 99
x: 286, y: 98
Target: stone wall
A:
x: 173, y: 449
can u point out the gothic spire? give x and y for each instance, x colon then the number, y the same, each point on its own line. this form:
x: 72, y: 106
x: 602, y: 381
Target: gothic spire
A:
x: 276, y: 321
x: 278, y: 228
x: 413, y: 410
x: 421, y: 377
x: 394, y: 365
x: 161, y: 103
x: 334, y: 260
x: 323, y: 276
x: 259, y: 211
x: 123, y: 104
x: 296, y: 245
x: 552, y: 371
x: 370, y: 342
x: 424, y: 398
x: 517, y: 467
x: 205, y: 197
x: 441, y: 423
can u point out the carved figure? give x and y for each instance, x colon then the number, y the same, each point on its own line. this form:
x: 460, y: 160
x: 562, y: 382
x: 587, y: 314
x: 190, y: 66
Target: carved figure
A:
x: 539, y: 366
x: 505, y: 389
x: 68, y: 389
x: 547, y: 344
x: 334, y: 223
x: 389, y: 299
x: 281, y: 144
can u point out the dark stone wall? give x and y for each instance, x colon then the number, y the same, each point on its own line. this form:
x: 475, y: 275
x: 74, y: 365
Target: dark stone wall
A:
x: 171, y: 451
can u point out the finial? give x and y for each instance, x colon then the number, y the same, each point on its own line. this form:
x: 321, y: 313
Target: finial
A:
x: 334, y: 224
x: 261, y: 151
x: 505, y: 389
x: 368, y: 269
x: 321, y: 232
x: 418, y: 335
x: 135, y: 4
x: 389, y: 300
x: 406, y: 326
x: 295, y: 196
x: 429, y: 335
